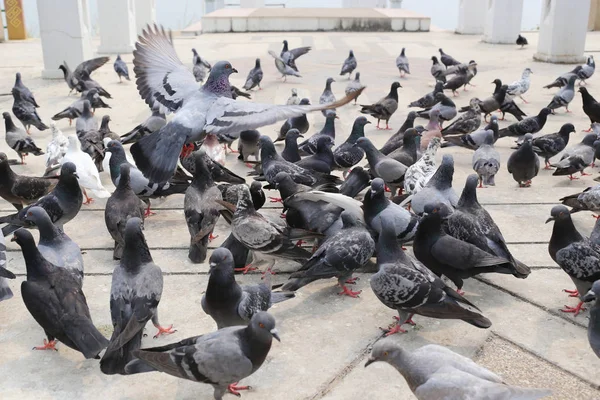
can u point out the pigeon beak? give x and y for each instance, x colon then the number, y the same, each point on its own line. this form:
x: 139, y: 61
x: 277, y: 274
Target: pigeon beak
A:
x: 275, y: 334
x: 302, y: 136
x: 234, y: 70
x: 211, y: 267
x: 14, y: 238
x: 373, y: 192
x: 589, y: 296
x: 370, y: 361
x: 368, y: 122
x: 550, y: 219
x: 76, y: 175
x: 336, y: 117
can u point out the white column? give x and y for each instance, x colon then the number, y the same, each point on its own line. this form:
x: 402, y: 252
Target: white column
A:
x: 116, y: 20
x: 145, y: 13
x: 471, y: 17
x: 503, y: 21
x: 252, y: 3
x: 213, y: 5
x: 65, y: 34
x: 563, y: 29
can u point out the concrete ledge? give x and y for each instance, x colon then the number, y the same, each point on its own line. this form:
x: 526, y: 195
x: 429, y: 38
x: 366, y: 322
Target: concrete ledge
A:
x: 313, y: 19
x: 570, y: 59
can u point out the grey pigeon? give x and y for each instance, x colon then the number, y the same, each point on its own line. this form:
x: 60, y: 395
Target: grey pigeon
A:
x: 438, y: 70
x: 26, y: 112
x: 486, y: 161
x: 309, y: 146
x: 465, y: 123
x: 587, y: 70
x: 385, y: 107
x: 397, y: 138
x: 407, y: 286
x: 201, y: 210
x: 54, y: 245
x: 349, y: 65
x: 564, y: 96
x: 105, y: 129
x: 76, y: 108
x: 200, y: 69
x: 447, y: 59
x: 284, y: 69
x: 290, y: 151
x: 300, y: 123
x: 323, y: 160
x: 444, y: 105
x: 523, y: 163
x: 248, y: 145
x: 327, y: 97
x: 407, y: 154
x: 594, y: 324
x: 588, y: 200
x: 5, y: 291
x: 474, y: 140
x: 95, y: 99
x: 220, y: 359
x: 62, y: 204
x: 429, y: 99
x: 354, y: 86
x: 18, y: 140
x: 464, y: 75
x: 121, y: 69
x: 152, y: 124
x: 438, y: 189
x: 229, y: 193
x: 339, y: 256
x: 86, y: 121
x: 402, y: 63
x: 575, y: 254
x: 418, y: 174
x: 230, y: 304
x: 347, y: 155
x: 293, y: 99
x: 548, y: 146
x: 122, y: 205
x: 20, y: 190
x: 55, y: 300
x: 576, y: 158
x: 255, y: 76
x: 290, y: 56
x: 532, y: 124
x: 23, y: 91
x: 136, y: 290
x: 196, y: 56
x: 433, y: 372
x: 80, y: 79
x: 356, y: 180
x: 199, y: 111
x: 391, y: 171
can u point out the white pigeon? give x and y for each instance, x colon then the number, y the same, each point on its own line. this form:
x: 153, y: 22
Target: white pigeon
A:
x: 57, y: 147
x: 293, y: 99
x: 521, y: 86
x: 88, y: 175
x: 418, y: 174
x: 106, y: 160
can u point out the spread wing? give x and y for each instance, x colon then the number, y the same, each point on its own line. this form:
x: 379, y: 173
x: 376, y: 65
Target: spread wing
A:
x: 160, y: 74
x: 85, y: 69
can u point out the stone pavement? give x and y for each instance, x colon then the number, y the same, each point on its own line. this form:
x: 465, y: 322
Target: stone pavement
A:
x: 325, y: 337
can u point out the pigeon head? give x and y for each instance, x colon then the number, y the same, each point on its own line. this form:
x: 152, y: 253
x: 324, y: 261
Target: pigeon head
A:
x: 222, y: 68
x: 410, y: 135
x: 363, y: 143
x: 442, y: 179
x: 593, y: 293
x: 17, y: 78
x: 351, y: 54
x: 220, y: 258
x: 468, y: 196
x: 282, y: 178
x: 441, y: 51
x: 257, y: 63
x: 583, y: 90
x: 106, y: 119
x: 68, y: 169
x: 432, y: 208
x: 89, y: 95
x: 597, y: 144
x: 285, y: 45
x: 295, y: 92
x: 37, y: 215
x: 324, y: 142
x: 87, y: 107
x: 384, y: 350
x: 113, y: 146
x: 544, y: 112
x: 566, y: 129
x: 305, y: 102
x: 267, y: 148
x: 589, y: 139
x: 293, y: 134
x: 493, y: 120
x: 439, y: 86
x: 255, y: 187
x: 3, y: 158
x: 377, y: 187
x: 328, y: 83
x: 497, y: 82
x: 349, y: 220
x: 118, y: 56
x: 528, y: 138
x: 559, y: 213
x: 357, y: 76
x: 23, y: 238
x: 54, y: 129
x: 396, y: 85
x: 412, y: 116
x: 402, y: 52
x: 527, y: 72
x: 262, y: 327
x: 74, y: 143
x: 6, y: 116
x: 194, y: 52
x: 435, y: 60
x: 361, y: 121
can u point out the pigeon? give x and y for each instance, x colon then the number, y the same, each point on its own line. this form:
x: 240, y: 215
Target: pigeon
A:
x: 54, y: 245
x: 591, y: 108
x: 290, y: 56
x: 486, y: 161
x: 248, y: 145
x: 474, y: 140
x: 200, y: 69
x: 76, y: 108
x: 523, y: 163
x: 95, y: 99
x: 339, y: 256
x: 402, y: 63
x: 548, y: 146
x: 349, y: 65
x: 564, y: 96
x: 290, y: 151
x: 199, y: 111
x: 55, y: 300
x: 407, y: 286
x: 200, y: 210
x: 596, y: 152
x: 220, y: 359
x: 433, y: 372
x: 396, y: 139
x: 588, y: 200
x: 594, y: 324
x: 444, y: 105
x: 465, y: 123
x: 255, y: 76
x: 347, y: 155
x: 407, y: 154
x: 87, y: 172
x: 293, y: 99
x: 23, y: 91
x: 464, y: 75
x: 80, y: 79
x: 229, y: 193
x: 18, y: 140
x: 121, y: 69
x: 93, y: 145
x: 309, y: 146
x: 62, y: 204
x: 521, y: 41
x: 20, y: 190
x: 587, y: 70
x: 300, y: 123
x: 86, y: 121
x: 354, y: 86
x: 196, y: 56
x: 438, y: 188
x: 577, y: 158
x: 564, y: 78
x: 152, y: 124
x: 122, y: 205
x: 418, y: 174
x: 532, y: 125
x: 327, y: 97
x: 5, y: 291
x: 521, y: 86
x: 385, y: 107
x: 447, y: 59
x: 323, y: 160
x: 25, y: 112
x: 575, y: 254
x: 105, y: 131
x: 429, y: 99
x: 356, y: 180
x: 230, y: 304
x: 438, y: 70
x: 284, y: 69
x: 391, y: 171
x: 378, y: 208
x: 140, y: 185
x: 136, y: 290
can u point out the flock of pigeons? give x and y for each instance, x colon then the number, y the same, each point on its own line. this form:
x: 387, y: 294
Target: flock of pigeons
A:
x: 348, y: 221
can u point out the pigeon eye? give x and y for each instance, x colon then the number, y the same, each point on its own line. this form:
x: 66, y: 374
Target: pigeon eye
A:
x: 261, y: 325
x: 385, y: 353
x: 227, y: 66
